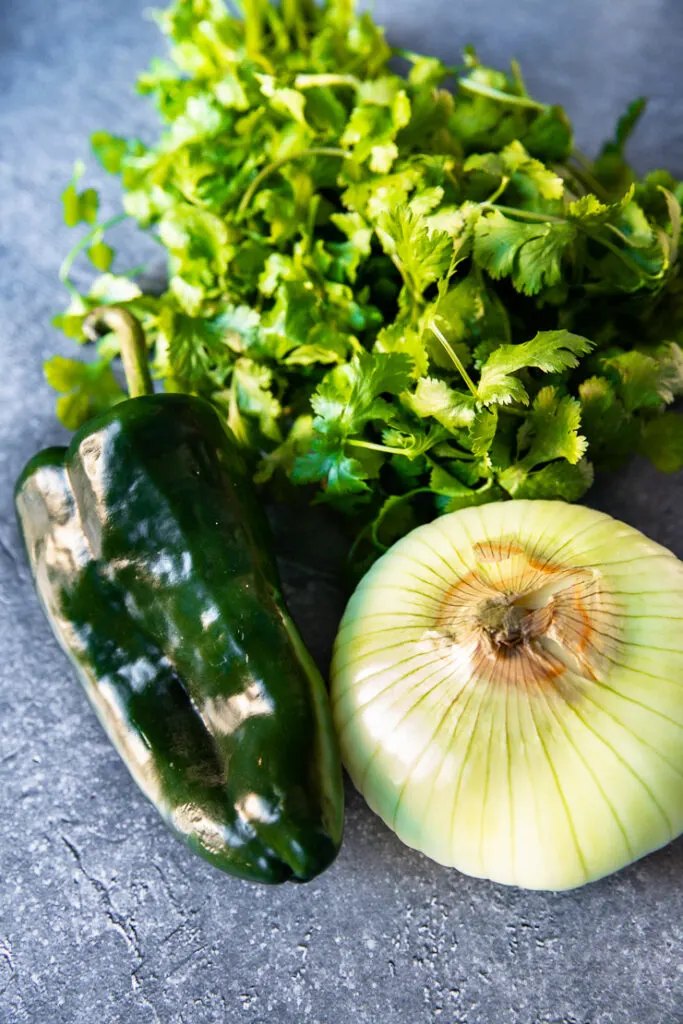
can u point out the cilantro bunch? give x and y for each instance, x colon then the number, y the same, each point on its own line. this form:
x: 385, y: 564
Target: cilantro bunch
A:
x: 408, y: 292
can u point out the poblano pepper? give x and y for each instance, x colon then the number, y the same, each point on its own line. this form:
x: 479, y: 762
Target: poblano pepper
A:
x: 152, y: 559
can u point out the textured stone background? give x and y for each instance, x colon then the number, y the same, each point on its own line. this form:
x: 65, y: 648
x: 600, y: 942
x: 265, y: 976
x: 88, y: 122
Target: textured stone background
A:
x: 105, y: 918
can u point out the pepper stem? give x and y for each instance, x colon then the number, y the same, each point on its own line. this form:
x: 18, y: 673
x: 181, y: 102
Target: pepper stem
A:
x: 133, y: 345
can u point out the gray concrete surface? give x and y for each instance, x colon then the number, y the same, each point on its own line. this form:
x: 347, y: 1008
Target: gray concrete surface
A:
x: 104, y: 917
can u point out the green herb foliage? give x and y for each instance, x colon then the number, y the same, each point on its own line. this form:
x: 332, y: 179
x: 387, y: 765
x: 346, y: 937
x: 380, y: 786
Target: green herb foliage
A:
x: 408, y: 293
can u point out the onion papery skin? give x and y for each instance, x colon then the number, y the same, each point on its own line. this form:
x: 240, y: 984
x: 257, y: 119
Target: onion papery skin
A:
x: 507, y: 686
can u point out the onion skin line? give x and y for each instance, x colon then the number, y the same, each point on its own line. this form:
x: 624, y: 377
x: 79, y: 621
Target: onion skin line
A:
x: 444, y: 718
x: 563, y: 800
x: 590, y: 771
x: 629, y: 767
x: 468, y: 750
x: 403, y: 718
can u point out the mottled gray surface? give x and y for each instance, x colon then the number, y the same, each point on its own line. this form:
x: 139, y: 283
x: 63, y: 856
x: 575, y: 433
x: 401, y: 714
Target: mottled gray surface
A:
x: 105, y: 918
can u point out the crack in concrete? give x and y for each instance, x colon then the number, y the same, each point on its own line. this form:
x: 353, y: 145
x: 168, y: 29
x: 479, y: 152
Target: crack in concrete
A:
x: 123, y: 927
x: 6, y: 953
x: 6, y: 956
x: 169, y: 892
x: 172, y: 934
x: 186, y: 960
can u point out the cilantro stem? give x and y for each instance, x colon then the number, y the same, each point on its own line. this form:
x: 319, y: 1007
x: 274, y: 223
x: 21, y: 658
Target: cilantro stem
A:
x: 586, y: 166
x: 271, y: 168
x: 674, y: 209
x: 504, y: 182
x: 583, y: 174
x: 295, y: 14
x: 458, y: 364
x: 479, y: 89
x: 518, y: 77
x: 320, y: 81
x: 391, y: 450
x: 509, y: 410
x: 582, y: 159
x: 620, y: 234
x: 252, y: 26
x: 415, y: 297
x: 388, y: 506
x: 547, y: 218
x: 621, y: 255
x: 84, y: 242
x: 131, y: 336
x: 512, y: 211
x: 360, y: 537
x: 413, y: 58
x: 357, y: 443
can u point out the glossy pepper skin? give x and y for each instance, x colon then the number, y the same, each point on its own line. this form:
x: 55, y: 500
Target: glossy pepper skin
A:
x: 152, y: 560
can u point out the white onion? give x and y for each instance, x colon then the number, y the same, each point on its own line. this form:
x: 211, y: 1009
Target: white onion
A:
x: 508, y: 690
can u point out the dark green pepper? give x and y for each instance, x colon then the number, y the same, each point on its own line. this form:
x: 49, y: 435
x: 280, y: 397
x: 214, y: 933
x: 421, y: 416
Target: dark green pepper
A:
x: 153, y: 562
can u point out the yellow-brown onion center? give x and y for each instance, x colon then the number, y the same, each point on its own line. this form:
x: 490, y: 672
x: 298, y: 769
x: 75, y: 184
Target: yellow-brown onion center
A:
x: 520, y: 617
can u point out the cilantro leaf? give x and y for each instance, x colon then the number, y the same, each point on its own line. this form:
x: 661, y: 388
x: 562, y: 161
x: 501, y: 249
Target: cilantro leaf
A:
x: 411, y: 441
x: 591, y: 212
x: 450, y: 407
x: 86, y: 389
x: 483, y: 430
x: 348, y: 398
x: 190, y: 349
x: 339, y: 474
x: 611, y: 169
x: 550, y: 431
x: 530, y: 254
x: 421, y: 255
x: 662, y: 442
x: 79, y: 206
x: 549, y: 136
x: 282, y: 458
x: 101, y: 255
x: 549, y: 351
x: 357, y: 257
x: 646, y: 381
x: 611, y: 432
x: 404, y: 337
x: 349, y: 395
x: 455, y: 495
x: 251, y: 395
x: 529, y: 177
x: 556, y: 480
x: 470, y: 312
x: 357, y: 247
